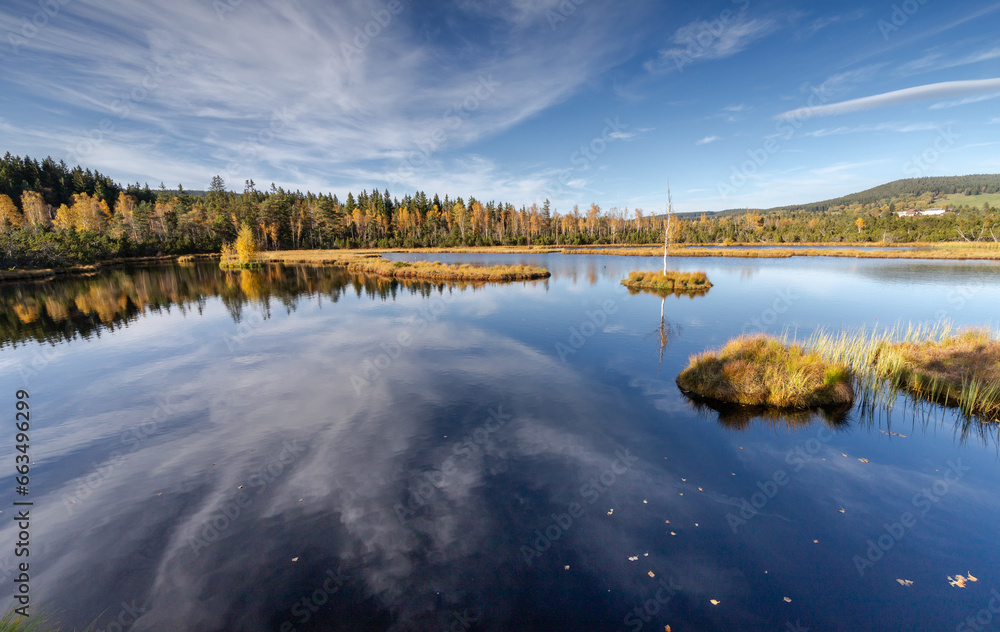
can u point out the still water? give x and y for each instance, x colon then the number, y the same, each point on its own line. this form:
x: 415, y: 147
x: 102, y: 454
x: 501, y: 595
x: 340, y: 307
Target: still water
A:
x: 303, y: 449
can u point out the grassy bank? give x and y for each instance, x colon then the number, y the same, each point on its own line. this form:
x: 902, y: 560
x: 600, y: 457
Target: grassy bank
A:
x: 949, y: 250
x: 671, y: 281
x: 938, y: 363
x: 435, y: 270
x: 764, y: 371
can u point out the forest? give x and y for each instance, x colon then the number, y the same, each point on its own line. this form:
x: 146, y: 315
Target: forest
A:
x: 54, y: 215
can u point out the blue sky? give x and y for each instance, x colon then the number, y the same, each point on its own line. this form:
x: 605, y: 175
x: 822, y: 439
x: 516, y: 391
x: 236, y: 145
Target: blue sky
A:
x: 739, y: 103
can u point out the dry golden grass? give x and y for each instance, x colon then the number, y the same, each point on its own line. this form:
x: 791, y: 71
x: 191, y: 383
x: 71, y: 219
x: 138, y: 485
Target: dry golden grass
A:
x: 671, y: 282
x: 436, y: 270
x: 761, y: 370
x: 958, y: 367
x: 944, y: 250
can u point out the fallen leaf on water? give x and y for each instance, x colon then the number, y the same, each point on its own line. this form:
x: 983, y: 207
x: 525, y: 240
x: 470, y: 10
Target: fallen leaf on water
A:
x: 645, y: 554
x: 971, y: 578
x: 651, y: 574
x: 666, y: 628
x: 611, y: 511
x: 644, y: 501
x: 566, y: 567
x: 714, y: 602
x: 842, y: 454
x: 957, y: 581
x: 240, y: 487
x: 682, y: 493
x: 842, y: 510
x: 633, y: 558
x: 788, y: 599
x: 700, y: 489
x: 668, y: 522
x: 904, y: 582
x: 295, y: 559
x: 863, y: 460
x: 815, y: 541
x: 684, y: 479
x: 672, y: 533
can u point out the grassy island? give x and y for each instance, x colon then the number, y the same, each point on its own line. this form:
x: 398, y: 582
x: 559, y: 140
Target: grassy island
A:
x: 939, y: 363
x: 670, y: 281
x: 761, y: 370
x: 435, y: 270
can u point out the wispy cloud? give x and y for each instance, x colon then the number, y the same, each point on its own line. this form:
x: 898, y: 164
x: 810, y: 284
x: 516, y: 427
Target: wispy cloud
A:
x: 822, y: 22
x: 967, y: 100
x: 898, y: 97
x: 867, y: 129
x: 707, y: 140
x: 700, y: 41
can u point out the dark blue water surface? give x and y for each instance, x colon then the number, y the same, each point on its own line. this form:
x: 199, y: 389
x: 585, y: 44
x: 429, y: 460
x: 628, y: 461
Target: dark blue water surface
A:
x: 302, y: 449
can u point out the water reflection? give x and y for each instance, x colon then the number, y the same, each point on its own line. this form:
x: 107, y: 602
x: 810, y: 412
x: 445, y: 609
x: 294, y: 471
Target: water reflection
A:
x: 63, y: 309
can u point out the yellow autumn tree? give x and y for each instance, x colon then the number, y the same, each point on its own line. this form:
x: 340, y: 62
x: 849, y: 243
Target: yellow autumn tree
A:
x: 10, y: 215
x: 246, y: 247
x: 36, y: 211
x: 65, y: 217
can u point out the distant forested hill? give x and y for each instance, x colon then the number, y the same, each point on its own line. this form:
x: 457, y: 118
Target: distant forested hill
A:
x: 904, y: 191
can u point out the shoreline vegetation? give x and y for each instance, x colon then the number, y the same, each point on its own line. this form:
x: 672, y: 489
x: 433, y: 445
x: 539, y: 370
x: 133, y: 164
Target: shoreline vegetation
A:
x: 435, y: 270
x: 670, y: 282
x: 938, y: 363
x: 955, y: 367
x: 962, y: 251
x: 761, y: 370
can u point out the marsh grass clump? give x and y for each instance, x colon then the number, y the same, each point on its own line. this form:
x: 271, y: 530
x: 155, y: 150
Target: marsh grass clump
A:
x: 671, y: 281
x: 937, y: 363
x: 762, y: 370
x: 435, y: 270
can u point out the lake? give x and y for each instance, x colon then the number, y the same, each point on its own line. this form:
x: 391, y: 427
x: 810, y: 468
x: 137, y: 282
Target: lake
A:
x: 303, y: 449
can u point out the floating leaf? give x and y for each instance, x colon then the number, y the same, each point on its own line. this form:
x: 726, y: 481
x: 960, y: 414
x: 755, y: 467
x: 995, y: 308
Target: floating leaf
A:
x: 611, y: 511
x: 651, y: 574
x: 788, y: 599
x: 842, y: 510
x: 714, y: 602
x: 633, y: 558
x: 295, y: 559
x: 971, y: 578
x: 904, y: 582
x: 863, y: 460
x: 566, y: 567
